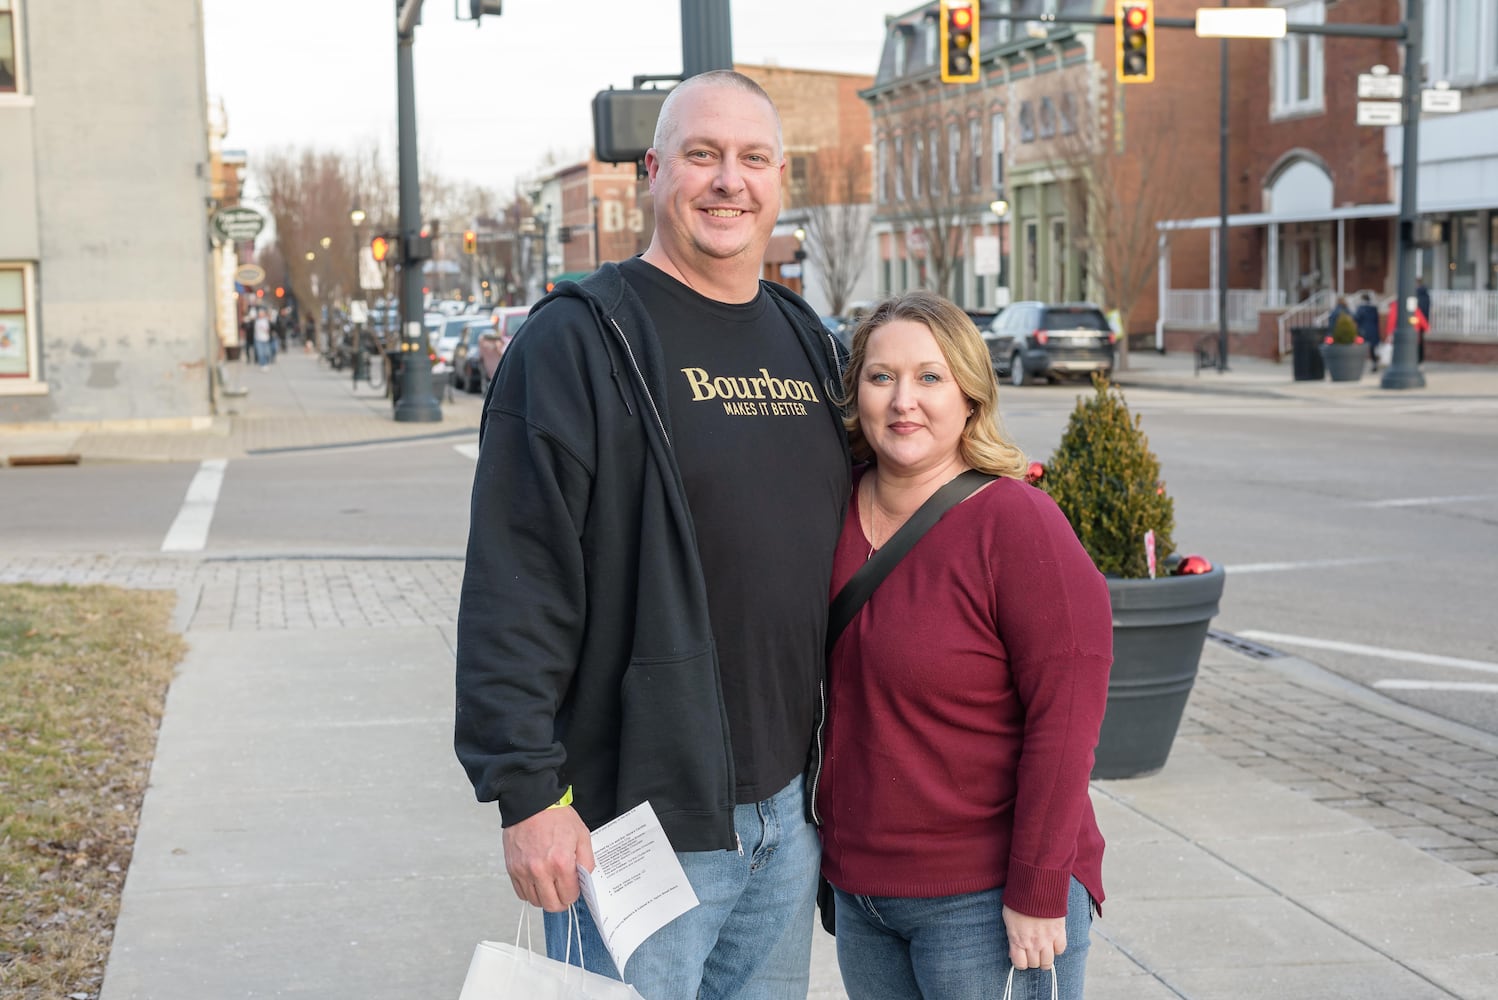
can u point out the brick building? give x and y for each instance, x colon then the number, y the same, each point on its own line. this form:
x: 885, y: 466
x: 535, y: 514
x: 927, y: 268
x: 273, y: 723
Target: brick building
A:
x: 1108, y: 186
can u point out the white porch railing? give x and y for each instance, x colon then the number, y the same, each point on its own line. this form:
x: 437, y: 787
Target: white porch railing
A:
x: 1192, y: 307
x: 1463, y: 315
x: 1308, y: 312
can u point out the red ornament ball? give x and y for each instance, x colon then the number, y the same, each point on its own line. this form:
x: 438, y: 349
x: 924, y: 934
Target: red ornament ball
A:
x: 1192, y: 565
x: 1035, y: 473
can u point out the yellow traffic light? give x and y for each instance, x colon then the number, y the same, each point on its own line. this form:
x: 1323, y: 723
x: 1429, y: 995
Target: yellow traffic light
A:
x: 380, y: 248
x: 959, y: 41
x: 1134, y: 26
x: 470, y: 241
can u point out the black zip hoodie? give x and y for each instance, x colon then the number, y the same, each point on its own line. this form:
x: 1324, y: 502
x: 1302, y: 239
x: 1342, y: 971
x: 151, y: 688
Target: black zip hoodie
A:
x: 585, y: 651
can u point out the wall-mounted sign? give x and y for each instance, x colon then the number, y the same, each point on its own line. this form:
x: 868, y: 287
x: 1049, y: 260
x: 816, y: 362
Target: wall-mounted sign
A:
x: 249, y: 275
x: 238, y: 224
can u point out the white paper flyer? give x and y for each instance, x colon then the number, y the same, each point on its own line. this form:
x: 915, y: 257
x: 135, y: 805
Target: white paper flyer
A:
x: 637, y: 885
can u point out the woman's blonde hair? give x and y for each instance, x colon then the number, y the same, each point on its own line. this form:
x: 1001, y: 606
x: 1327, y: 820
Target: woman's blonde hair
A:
x: 984, y: 445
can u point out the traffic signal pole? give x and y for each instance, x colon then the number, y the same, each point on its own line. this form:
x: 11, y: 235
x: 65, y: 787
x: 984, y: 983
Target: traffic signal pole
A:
x: 706, y: 36
x: 415, y: 402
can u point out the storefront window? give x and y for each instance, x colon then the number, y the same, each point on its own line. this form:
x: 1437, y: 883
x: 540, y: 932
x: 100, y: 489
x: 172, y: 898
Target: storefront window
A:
x: 7, y: 47
x: 15, y: 355
x: 1462, y: 262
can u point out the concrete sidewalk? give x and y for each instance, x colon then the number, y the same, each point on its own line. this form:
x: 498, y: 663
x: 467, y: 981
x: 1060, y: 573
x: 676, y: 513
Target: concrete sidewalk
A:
x: 308, y: 832
x: 297, y: 402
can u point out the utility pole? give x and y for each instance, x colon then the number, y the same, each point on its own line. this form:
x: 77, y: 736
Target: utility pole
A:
x: 415, y: 402
x: 706, y: 36
x: 1404, y: 372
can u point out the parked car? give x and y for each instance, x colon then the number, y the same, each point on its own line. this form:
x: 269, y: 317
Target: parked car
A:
x: 1030, y: 341
x: 468, y: 371
x: 444, y: 338
x: 982, y: 318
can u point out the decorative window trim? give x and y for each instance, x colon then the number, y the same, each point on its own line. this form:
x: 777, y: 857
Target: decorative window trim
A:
x: 18, y: 89
x: 1283, y: 62
x: 996, y: 127
x: 28, y: 383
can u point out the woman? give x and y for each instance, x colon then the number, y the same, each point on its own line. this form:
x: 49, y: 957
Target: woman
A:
x: 965, y: 697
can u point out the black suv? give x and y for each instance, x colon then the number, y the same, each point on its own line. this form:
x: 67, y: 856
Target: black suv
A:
x: 1030, y: 341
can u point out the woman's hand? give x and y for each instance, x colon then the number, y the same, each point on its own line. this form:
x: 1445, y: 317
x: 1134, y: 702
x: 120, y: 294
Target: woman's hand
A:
x: 1034, y: 942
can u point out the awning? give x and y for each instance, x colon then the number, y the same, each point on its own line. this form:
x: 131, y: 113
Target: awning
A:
x: 1384, y: 211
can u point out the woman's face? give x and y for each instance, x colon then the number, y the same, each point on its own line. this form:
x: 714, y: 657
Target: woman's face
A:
x: 909, y: 405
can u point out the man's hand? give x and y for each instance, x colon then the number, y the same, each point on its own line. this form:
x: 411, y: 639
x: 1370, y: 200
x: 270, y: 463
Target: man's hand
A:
x: 542, y: 854
x: 1034, y: 942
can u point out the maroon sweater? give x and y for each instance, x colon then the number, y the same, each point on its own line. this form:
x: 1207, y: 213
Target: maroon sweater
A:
x: 964, y: 706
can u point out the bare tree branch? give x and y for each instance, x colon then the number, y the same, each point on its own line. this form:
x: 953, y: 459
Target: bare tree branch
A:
x: 838, y: 221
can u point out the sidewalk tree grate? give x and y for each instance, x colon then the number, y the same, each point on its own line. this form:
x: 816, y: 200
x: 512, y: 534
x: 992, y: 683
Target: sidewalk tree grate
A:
x: 1244, y: 646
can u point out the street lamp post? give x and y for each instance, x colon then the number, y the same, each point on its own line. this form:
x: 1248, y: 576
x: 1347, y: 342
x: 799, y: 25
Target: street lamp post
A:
x: 800, y: 255
x: 1000, y: 208
x: 356, y: 217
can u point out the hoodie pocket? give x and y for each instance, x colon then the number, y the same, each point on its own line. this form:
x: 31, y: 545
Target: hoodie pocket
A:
x: 673, y: 747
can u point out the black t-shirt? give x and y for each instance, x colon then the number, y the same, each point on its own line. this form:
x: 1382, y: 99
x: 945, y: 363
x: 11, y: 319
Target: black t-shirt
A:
x: 762, y: 466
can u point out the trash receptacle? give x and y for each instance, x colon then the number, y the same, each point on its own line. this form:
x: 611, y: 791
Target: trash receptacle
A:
x: 1305, y: 353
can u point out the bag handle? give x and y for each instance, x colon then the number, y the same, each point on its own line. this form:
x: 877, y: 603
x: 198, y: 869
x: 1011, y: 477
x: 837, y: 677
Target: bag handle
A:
x: 1009, y: 983
x: 861, y: 586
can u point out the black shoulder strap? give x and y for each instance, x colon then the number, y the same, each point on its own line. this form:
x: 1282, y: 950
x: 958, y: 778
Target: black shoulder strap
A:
x: 861, y: 586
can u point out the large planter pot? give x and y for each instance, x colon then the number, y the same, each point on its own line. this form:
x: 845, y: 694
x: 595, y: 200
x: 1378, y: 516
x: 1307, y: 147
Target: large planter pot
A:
x: 1344, y: 362
x: 1159, y: 628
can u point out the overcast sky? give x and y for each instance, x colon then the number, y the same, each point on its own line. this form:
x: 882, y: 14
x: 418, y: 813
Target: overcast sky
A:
x: 491, y: 100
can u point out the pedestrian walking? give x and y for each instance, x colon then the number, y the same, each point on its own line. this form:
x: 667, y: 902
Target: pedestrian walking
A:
x: 661, y: 478
x: 262, y: 339
x: 1366, y: 317
x: 956, y: 826
x: 1422, y: 302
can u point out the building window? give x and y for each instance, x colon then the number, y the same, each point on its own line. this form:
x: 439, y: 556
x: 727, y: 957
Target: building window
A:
x: 1032, y: 258
x: 899, y: 168
x: 935, y: 150
x: 17, y: 326
x: 996, y: 135
x: 954, y: 157
x: 917, y: 154
x: 1047, y: 118
x: 1068, y: 114
x: 10, y: 74
x: 975, y: 151
x: 1027, y: 122
x: 1299, y: 65
x: 881, y: 182
x: 1058, y: 260
x: 1463, y: 50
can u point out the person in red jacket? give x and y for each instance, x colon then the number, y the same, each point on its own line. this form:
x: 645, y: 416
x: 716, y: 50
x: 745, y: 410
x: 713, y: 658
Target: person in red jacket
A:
x: 1418, y: 321
x: 966, y: 696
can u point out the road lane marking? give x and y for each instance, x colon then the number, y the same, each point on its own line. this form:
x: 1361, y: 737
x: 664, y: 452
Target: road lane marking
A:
x: 469, y: 450
x: 1404, y: 655
x: 189, y: 532
x: 1277, y: 567
x: 1467, y: 686
x: 1427, y: 501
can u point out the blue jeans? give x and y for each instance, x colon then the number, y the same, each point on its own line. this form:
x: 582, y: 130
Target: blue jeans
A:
x: 749, y: 937
x: 262, y: 352
x: 949, y: 948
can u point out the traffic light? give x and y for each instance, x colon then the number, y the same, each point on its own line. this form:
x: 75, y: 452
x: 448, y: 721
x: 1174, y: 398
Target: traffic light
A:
x: 959, y: 41
x: 1134, y: 24
x: 470, y: 241
x: 380, y: 247
x: 280, y: 292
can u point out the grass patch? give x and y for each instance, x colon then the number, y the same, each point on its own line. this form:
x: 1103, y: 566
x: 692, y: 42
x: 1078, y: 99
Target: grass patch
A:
x: 83, y: 676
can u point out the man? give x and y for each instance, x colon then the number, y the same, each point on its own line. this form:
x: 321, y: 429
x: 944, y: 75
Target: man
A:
x: 661, y: 482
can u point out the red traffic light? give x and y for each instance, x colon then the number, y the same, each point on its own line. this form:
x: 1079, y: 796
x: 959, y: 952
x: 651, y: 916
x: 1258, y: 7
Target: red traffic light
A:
x: 380, y: 247
x: 962, y: 17
x: 1135, y: 17
x: 280, y: 292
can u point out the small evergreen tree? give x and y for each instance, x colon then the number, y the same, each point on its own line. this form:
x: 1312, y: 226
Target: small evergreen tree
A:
x: 1106, y: 481
x: 1344, y: 331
